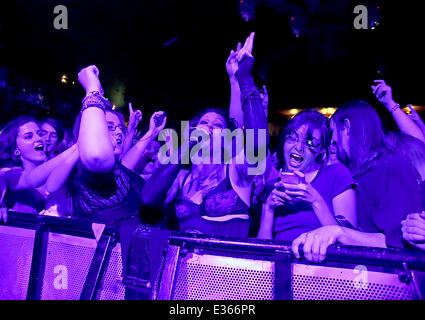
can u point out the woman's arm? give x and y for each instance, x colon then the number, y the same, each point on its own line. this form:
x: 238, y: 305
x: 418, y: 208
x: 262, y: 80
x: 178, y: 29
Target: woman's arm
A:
x: 133, y: 156
x: 94, y: 143
x: 134, y: 118
x: 383, y: 93
x: 275, y: 199
x: 157, y: 189
x: 266, y: 223
x: 235, y: 109
x: 39, y: 175
x: 60, y: 174
x: 254, y: 117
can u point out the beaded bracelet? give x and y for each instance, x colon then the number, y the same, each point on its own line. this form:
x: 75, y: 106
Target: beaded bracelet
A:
x: 249, y: 94
x: 94, y: 99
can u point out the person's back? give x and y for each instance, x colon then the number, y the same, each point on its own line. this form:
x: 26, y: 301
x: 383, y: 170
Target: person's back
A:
x: 386, y: 193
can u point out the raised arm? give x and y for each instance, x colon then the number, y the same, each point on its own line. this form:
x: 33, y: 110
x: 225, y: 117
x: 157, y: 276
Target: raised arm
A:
x: 134, y: 118
x: 383, y: 93
x: 94, y: 144
x: 235, y: 108
x: 252, y: 106
x: 254, y: 117
x: 133, y: 156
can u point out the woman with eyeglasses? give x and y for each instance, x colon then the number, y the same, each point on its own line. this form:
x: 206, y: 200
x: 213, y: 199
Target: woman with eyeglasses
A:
x: 309, y: 192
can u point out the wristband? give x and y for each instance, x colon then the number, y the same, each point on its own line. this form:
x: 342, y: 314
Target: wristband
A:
x: 247, y: 94
x: 395, y: 107
x: 94, y: 99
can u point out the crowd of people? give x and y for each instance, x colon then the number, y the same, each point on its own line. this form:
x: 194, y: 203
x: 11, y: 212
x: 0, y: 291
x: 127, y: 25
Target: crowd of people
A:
x: 339, y: 180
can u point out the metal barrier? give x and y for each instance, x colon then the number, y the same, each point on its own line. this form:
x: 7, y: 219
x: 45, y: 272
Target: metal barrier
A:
x: 58, y: 258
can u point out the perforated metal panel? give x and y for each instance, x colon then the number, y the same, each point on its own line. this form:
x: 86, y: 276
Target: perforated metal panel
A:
x: 111, y: 287
x: 16, y: 247
x: 68, y: 261
x: 326, y: 283
x: 208, y: 277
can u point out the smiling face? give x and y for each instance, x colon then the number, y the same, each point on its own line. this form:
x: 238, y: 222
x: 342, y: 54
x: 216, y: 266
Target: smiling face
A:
x: 30, y: 144
x: 301, y: 149
x: 50, y: 137
x: 116, y: 132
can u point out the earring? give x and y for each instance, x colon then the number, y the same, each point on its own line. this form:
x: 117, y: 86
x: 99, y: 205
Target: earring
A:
x: 17, y: 152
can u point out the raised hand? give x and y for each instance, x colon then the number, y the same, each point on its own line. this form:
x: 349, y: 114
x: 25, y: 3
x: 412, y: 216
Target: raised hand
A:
x: 383, y: 93
x: 89, y: 79
x: 153, y: 127
x: 244, y: 58
x: 232, y: 63
x: 134, y: 118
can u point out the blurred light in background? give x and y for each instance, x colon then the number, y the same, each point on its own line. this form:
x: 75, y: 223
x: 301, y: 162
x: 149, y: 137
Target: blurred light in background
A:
x: 64, y: 78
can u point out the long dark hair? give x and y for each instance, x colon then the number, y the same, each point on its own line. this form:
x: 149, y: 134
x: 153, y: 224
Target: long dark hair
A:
x: 8, y: 136
x: 367, y: 139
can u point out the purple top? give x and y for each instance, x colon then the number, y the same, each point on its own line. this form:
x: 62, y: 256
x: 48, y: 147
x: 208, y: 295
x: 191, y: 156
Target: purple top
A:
x: 298, y: 216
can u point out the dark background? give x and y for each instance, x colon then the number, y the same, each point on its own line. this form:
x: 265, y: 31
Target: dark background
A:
x: 171, y: 54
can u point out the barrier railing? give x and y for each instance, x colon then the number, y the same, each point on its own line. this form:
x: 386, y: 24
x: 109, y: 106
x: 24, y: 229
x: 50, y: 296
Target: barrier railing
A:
x: 45, y: 257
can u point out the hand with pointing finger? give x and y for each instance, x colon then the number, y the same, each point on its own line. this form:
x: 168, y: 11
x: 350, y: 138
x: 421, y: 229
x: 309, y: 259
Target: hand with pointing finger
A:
x: 245, y: 60
x: 134, y: 118
x: 232, y: 63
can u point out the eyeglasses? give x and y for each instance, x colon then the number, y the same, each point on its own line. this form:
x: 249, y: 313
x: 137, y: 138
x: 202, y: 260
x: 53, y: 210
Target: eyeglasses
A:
x: 310, y: 143
x: 112, y: 127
